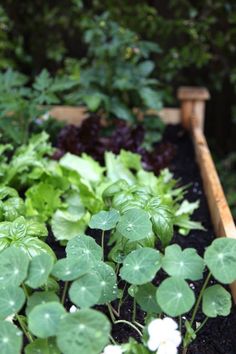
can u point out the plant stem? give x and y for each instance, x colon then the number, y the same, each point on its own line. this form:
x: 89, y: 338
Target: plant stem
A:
x: 200, y: 298
x: 195, y: 310
x: 134, y: 310
x: 129, y: 324
x: 112, y: 340
x: 202, y: 324
x: 103, y: 236
x: 27, y: 334
x: 64, y: 292
x: 25, y: 290
x: 111, y: 313
x: 180, y: 323
x: 139, y: 324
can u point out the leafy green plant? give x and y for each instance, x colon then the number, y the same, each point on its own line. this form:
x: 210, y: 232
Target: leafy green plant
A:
x: 20, y: 105
x: 116, y: 76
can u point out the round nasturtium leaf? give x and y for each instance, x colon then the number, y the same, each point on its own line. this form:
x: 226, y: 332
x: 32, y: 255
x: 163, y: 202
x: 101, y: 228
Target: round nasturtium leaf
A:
x: 11, y: 301
x: 43, y: 320
x: 85, y: 331
x: 175, y: 297
x: 186, y: 264
x: 86, y: 291
x: 42, y: 346
x: 135, y: 225
x: 146, y: 298
x: 40, y: 297
x: 220, y: 258
x: 84, y: 245
x: 71, y: 268
x: 39, y: 270
x: 216, y: 301
x: 108, y: 282
x: 141, y: 265
x: 11, y: 338
x: 104, y: 220
x: 13, y: 267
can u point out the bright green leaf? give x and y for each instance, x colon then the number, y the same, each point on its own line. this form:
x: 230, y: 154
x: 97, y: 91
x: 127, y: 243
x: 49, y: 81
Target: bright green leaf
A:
x: 104, y: 220
x: 11, y: 301
x: 135, y: 225
x: 186, y: 264
x: 220, y: 257
x: 146, y: 298
x: 44, y: 319
x: 216, y: 301
x: 39, y: 270
x: 175, y: 297
x: 141, y: 266
x: 86, y: 331
x: 11, y: 338
x: 68, y: 269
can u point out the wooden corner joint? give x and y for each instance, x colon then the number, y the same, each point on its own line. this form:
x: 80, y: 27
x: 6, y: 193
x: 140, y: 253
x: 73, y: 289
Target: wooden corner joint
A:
x: 188, y: 93
x: 192, y: 105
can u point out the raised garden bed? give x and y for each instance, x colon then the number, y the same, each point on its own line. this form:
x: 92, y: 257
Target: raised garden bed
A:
x: 128, y: 310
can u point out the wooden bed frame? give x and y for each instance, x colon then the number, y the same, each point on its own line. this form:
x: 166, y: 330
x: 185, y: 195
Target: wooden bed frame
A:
x: 191, y: 114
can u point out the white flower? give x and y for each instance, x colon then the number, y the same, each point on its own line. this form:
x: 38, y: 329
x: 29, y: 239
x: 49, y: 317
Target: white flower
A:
x: 73, y: 309
x: 112, y: 349
x: 164, y: 336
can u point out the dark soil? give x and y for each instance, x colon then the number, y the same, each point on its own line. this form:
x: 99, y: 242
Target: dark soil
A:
x: 218, y: 335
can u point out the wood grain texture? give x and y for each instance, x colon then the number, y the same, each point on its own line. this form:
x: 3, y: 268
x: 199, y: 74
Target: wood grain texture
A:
x: 76, y: 115
x: 220, y: 213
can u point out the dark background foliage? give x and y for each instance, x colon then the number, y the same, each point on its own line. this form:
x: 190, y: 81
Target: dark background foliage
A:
x: 197, y: 41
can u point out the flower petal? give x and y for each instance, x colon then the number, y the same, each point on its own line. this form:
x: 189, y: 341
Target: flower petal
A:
x: 167, y: 348
x: 176, y: 338
x: 153, y: 343
x: 171, y: 324
x: 112, y: 349
x: 155, y: 326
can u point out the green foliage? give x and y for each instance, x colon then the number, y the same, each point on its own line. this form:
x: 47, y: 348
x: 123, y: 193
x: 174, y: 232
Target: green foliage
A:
x: 116, y: 76
x: 21, y: 105
x: 77, y: 332
x: 14, y: 338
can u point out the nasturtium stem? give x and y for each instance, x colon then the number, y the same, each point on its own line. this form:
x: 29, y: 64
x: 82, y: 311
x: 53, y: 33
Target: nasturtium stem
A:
x: 139, y: 324
x: 185, y: 349
x: 180, y: 323
x: 103, y: 236
x: 24, y: 329
x: 134, y: 310
x: 202, y: 324
x: 112, y: 340
x: 200, y: 298
x: 64, y: 292
x: 129, y: 324
x: 25, y: 290
x: 111, y: 313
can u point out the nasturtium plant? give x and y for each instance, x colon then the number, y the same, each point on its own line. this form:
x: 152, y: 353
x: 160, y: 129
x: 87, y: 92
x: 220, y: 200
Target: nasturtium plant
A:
x: 146, y: 298
x: 11, y: 338
x: 39, y: 270
x: 14, y: 265
x: 45, y: 318
x: 104, y: 220
x: 68, y: 269
x: 175, y: 297
x: 216, y: 301
x: 84, y: 245
x: 186, y: 264
x: 135, y: 225
x: 141, y: 266
x: 220, y: 258
x: 86, y: 331
x: 86, y: 291
x: 40, y: 297
x: 42, y: 346
x: 108, y: 282
x: 12, y: 300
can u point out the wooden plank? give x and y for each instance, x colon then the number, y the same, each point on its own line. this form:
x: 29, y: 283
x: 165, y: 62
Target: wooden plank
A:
x: 75, y: 115
x: 69, y: 114
x: 220, y: 213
